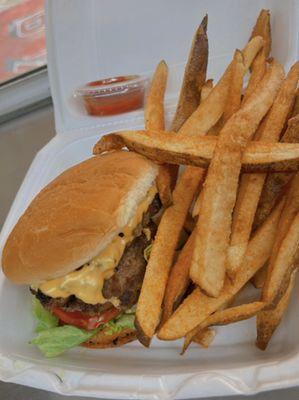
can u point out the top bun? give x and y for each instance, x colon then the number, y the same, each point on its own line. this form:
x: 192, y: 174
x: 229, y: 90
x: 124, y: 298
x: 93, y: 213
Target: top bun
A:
x: 76, y: 216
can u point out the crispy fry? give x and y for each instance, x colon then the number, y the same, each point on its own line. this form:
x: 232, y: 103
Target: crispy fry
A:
x: 155, y: 280
x: 259, y: 67
x: 194, y: 77
x: 295, y: 110
x: 268, y: 321
x: 225, y: 317
x: 154, y: 119
x: 276, y: 182
x: 214, y: 229
x: 165, y: 147
x: 251, y: 185
x: 285, y: 246
x: 198, y: 306
x: 148, y: 312
x: 210, y: 110
x: 178, y: 280
x: 235, y: 88
x: 232, y: 105
x: 259, y: 278
x: 154, y: 107
x: 206, y: 89
x: 263, y: 29
x: 205, y: 337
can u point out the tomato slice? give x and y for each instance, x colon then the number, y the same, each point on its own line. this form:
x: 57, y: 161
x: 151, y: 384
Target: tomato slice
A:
x: 85, y: 321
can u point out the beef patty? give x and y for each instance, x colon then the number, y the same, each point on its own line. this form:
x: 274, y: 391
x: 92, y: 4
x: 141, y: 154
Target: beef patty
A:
x: 126, y: 282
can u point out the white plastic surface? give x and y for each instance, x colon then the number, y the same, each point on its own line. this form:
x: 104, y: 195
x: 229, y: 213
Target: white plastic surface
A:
x: 111, y: 37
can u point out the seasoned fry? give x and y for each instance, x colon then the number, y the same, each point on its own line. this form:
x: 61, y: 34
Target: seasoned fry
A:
x: 224, y: 317
x: 154, y: 119
x: 276, y: 182
x: 259, y: 278
x: 157, y: 271
x: 165, y: 147
x: 198, y: 306
x: 232, y: 105
x: 206, y: 89
x: 281, y: 265
x: 154, y: 107
x: 285, y: 246
x: 268, y: 321
x: 148, y: 312
x: 251, y: 185
x: 209, y: 111
x: 259, y: 67
x: 214, y: 229
x: 204, y: 338
x: 194, y: 77
x: 295, y: 110
x: 262, y: 28
x: 178, y: 280
x: 235, y: 88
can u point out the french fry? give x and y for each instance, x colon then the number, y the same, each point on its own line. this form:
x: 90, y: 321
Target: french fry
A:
x: 148, y: 312
x: 204, y: 338
x: 262, y: 28
x: 232, y: 105
x: 157, y: 271
x: 224, y: 317
x: 251, y: 185
x: 285, y: 246
x: 268, y: 321
x: 213, y: 232
x: 179, y: 276
x: 259, y: 67
x: 206, y: 89
x: 275, y: 182
x: 165, y: 147
x: 295, y: 110
x: 282, y: 265
x: 235, y: 88
x: 197, y: 307
x: 154, y: 106
x: 259, y: 278
x: 194, y: 77
x: 178, y: 280
x: 154, y: 119
x: 210, y: 110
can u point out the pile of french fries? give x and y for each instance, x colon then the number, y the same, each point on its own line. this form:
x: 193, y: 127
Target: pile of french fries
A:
x: 237, y: 198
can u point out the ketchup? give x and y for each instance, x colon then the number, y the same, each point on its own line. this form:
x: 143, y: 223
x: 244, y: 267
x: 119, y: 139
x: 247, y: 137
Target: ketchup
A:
x: 113, y: 95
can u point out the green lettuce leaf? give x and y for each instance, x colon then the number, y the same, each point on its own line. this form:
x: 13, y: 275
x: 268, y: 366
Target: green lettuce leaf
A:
x: 55, y: 341
x: 45, y: 319
x: 125, y: 321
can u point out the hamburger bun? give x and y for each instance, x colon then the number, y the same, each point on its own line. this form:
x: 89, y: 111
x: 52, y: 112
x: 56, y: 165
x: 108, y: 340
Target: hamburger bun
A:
x: 76, y: 216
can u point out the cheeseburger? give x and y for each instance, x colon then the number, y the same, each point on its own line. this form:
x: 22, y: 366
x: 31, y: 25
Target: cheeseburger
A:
x: 82, y: 247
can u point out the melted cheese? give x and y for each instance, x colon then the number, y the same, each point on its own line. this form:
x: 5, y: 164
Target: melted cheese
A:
x: 87, y: 282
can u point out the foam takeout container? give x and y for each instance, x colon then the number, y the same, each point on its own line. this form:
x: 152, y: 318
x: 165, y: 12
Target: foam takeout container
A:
x: 93, y: 39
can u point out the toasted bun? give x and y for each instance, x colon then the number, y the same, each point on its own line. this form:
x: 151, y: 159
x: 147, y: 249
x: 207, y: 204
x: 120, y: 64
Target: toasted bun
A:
x: 75, y: 216
x: 103, y: 341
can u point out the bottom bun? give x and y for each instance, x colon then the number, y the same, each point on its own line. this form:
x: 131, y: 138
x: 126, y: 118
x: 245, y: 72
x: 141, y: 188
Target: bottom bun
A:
x: 103, y: 341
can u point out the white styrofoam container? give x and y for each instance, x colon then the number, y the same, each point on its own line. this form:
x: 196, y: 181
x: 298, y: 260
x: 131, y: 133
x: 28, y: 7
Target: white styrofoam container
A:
x: 88, y: 39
